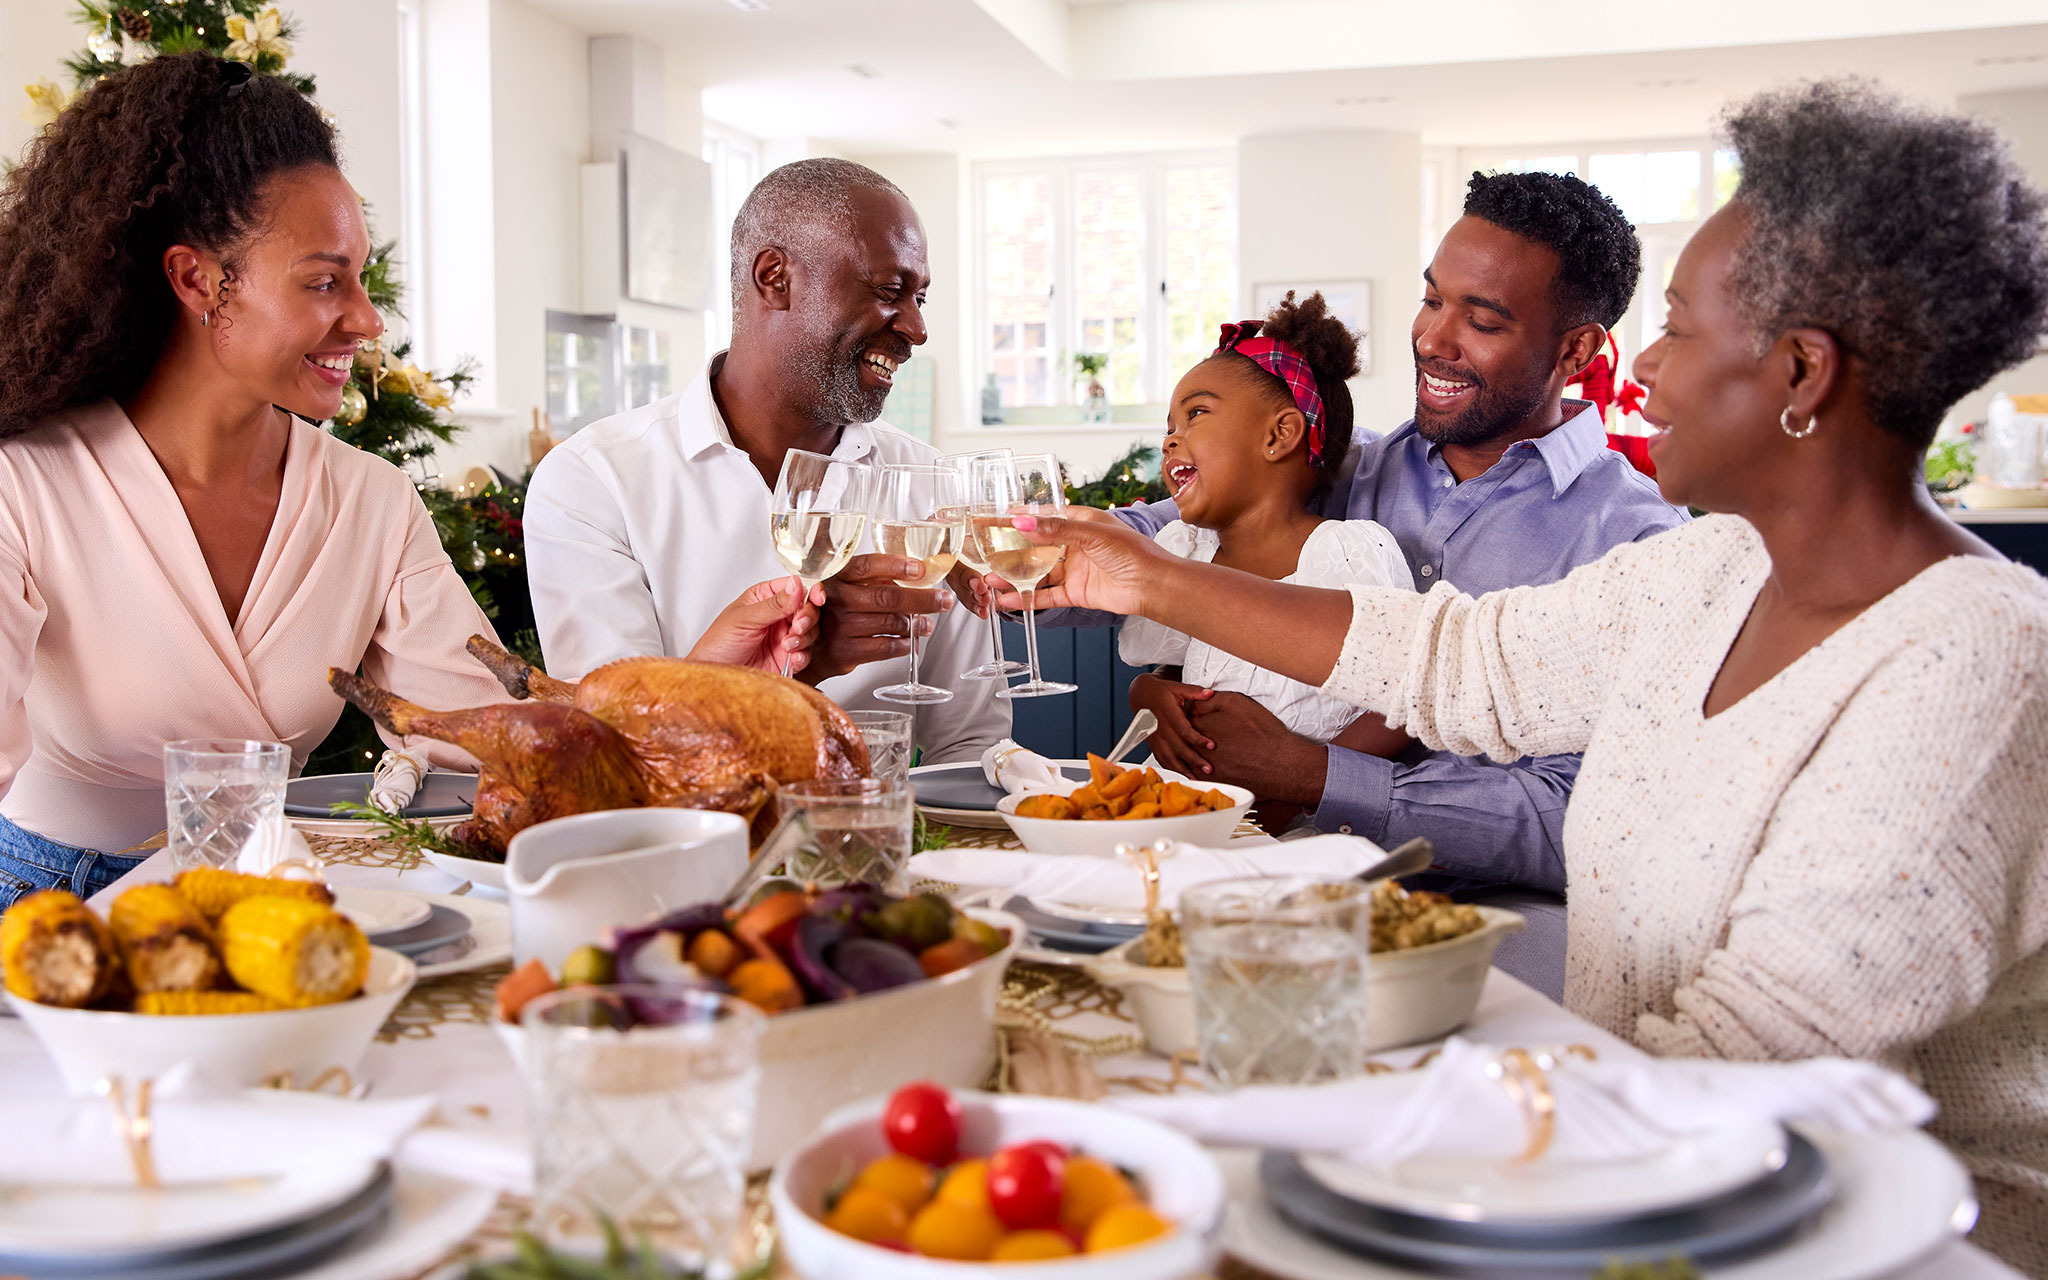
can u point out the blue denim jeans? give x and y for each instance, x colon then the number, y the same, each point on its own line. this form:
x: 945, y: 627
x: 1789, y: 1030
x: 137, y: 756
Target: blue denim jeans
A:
x: 28, y: 862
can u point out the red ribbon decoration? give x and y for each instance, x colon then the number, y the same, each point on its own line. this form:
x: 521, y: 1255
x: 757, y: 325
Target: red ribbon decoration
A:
x: 1278, y: 357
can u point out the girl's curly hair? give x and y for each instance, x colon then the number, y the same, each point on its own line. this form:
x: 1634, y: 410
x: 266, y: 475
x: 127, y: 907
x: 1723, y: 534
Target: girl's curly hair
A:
x: 176, y: 150
x: 1331, y: 351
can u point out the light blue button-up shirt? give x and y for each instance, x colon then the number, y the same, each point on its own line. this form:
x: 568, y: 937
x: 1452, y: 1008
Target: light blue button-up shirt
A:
x: 1548, y: 506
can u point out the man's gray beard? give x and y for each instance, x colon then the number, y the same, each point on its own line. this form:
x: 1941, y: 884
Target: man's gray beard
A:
x: 834, y: 384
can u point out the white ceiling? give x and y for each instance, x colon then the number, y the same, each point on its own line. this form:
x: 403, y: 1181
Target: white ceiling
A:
x: 957, y: 75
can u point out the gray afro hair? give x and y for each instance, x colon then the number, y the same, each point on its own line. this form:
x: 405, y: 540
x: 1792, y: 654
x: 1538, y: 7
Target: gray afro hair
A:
x: 800, y: 207
x: 1908, y: 235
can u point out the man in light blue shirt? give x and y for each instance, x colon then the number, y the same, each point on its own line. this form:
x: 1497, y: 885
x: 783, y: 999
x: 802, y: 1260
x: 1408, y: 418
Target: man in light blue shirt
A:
x: 1497, y: 482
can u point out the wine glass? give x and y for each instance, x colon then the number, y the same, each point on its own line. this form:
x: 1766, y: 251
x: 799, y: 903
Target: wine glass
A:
x: 920, y: 514
x: 971, y: 466
x: 1035, y: 487
x: 817, y: 516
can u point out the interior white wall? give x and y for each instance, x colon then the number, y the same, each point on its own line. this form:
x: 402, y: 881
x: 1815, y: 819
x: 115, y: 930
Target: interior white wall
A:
x: 2022, y: 116
x: 1341, y: 205
x: 35, y: 37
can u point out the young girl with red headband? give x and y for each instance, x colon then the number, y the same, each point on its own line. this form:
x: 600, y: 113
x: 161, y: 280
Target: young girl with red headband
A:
x: 1255, y: 434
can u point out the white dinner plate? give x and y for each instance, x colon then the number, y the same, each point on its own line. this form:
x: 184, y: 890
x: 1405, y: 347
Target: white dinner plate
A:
x: 430, y: 1216
x: 1464, y: 1189
x: 88, y: 1222
x: 1900, y: 1196
x: 488, y: 942
x: 377, y: 911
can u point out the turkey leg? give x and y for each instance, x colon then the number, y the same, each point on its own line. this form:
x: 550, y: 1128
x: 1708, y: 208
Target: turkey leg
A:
x: 521, y: 678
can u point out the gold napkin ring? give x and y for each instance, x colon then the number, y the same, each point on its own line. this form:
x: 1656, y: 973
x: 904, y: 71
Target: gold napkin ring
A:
x: 134, y: 1130
x: 1526, y: 1078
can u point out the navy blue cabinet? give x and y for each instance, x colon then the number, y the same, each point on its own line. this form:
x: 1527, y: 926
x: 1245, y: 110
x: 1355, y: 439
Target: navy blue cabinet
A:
x: 1065, y: 726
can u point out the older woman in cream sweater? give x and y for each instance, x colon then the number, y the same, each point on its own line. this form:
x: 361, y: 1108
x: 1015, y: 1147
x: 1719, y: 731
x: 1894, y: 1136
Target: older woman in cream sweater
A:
x: 1813, y: 815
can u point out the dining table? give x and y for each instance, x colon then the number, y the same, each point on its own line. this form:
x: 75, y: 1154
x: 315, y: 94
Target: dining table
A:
x: 440, y: 1041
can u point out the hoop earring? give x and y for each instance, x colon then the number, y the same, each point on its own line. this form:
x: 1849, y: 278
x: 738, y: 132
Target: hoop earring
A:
x: 1785, y: 424
x: 206, y: 319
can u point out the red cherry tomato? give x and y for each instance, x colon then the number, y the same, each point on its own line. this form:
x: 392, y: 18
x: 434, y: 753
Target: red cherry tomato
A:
x: 922, y: 1120
x: 1048, y: 1146
x: 1024, y: 1184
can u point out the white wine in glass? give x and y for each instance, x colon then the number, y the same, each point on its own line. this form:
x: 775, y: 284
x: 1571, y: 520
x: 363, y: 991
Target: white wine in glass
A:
x: 921, y: 515
x: 1037, y: 487
x: 974, y: 467
x: 818, y: 514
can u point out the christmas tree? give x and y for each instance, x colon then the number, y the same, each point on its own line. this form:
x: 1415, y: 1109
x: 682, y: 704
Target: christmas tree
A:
x: 390, y: 407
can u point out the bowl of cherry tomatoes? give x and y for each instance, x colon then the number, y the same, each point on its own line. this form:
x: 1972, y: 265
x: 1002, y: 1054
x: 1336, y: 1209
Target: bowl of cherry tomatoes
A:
x: 942, y: 1184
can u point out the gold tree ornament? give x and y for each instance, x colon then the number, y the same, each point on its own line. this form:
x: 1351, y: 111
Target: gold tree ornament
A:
x: 251, y: 38
x: 354, y: 406
x: 46, y: 101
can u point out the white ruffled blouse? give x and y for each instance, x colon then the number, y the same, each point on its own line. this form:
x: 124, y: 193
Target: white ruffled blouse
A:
x: 1339, y: 554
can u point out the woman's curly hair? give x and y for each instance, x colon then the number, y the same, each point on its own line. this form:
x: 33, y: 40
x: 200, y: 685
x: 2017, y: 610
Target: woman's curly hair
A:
x: 174, y: 151
x: 1908, y: 235
x: 1331, y: 351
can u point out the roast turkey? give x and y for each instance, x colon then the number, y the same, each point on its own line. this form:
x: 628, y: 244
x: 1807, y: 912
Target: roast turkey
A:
x: 636, y: 732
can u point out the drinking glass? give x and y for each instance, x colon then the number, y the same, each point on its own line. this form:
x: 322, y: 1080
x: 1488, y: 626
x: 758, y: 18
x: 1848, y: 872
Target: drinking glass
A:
x: 861, y: 828
x: 920, y: 514
x: 219, y: 793
x: 1035, y: 487
x: 818, y: 514
x: 970, y: 466
x: 641, y: 1100
x: 888, y: 735
x: 1277, y: 966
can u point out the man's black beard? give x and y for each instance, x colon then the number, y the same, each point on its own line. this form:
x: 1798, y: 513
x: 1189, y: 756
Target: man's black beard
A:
x: 1491, y: 414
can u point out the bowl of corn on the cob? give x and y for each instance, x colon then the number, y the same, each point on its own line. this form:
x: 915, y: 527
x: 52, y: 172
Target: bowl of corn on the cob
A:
x: 246, y: 979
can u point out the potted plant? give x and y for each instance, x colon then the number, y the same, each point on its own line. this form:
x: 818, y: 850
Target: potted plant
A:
x: 1095, y: 404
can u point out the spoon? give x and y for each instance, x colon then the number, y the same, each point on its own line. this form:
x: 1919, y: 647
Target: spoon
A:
x: 1142, y: 725
x: 1409, y: 858
x: 789, y: 836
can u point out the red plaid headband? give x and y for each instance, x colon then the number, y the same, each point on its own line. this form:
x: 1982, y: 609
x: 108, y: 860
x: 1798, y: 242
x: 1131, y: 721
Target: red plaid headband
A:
x: 1279, y: 358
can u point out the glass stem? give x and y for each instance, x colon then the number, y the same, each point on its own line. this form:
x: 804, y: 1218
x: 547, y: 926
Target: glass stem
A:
x: 1031, y: 633
x: 995, y: 631
x: 913, y: 650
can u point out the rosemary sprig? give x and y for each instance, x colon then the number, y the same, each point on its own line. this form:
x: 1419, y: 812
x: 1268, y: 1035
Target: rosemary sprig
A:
x: 926, y: 835
x: 415, y: 837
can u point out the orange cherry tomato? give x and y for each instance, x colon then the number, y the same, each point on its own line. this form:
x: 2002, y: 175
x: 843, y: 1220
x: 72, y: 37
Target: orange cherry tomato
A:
x: 1093, y: 1186
x: 866, y: 1214
x: 943, y: 1230
x: 1034, y: 1245
x: 1125, y: 1225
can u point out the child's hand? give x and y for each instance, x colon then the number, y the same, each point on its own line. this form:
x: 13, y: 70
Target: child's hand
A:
x: 1175, y: 743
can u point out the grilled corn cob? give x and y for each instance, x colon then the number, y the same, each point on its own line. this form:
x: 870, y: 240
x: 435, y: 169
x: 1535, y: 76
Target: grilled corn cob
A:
x: 200, y: 1003
x: 164, y: 942
x: 54, y: 950
x: 213, y: 890
x: 296, y: 952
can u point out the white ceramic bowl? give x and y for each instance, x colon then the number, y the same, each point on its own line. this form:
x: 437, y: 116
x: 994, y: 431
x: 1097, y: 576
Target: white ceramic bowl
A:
x: 1209, y: 829
x: 817, y: 1059
x: 1180, y: 1181
x: 484, y: 875
x: 232, y: 1050
x: 1417, y: 994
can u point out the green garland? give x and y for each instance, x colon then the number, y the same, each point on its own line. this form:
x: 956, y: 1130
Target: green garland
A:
x: 1130, y: 479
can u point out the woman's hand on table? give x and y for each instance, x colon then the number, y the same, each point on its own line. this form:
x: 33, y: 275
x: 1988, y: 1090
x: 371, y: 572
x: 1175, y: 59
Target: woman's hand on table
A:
x: 771, y: 622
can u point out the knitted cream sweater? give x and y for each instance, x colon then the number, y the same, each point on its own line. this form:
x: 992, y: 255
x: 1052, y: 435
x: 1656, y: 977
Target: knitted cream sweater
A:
x: 1851, y: 860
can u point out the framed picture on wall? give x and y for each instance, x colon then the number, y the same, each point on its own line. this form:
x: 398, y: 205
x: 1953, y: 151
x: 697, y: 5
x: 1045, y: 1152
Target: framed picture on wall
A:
x: 1350, y: 301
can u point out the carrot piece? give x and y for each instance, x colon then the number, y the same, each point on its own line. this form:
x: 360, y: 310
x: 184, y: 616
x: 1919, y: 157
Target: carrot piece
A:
x: 524, y: 984
x: 767, y: 984
x: 1100, y: 770
x: 1123, y: 784
x: 768, y: 925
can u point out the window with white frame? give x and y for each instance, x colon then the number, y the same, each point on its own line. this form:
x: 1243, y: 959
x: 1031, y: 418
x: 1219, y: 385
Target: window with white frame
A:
x: 735, y: 161
x: 412, y: 209
x: 1131, y: 258
x: 1667, y: 189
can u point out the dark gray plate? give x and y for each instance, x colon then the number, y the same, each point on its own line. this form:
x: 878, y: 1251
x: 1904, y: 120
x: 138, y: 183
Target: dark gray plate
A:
x: 275, y: 1251
x: 443, y: 925
x: 1080, y: 936
x: 963, y: 786
x: 1741, y: 1222
x: 441, y: 795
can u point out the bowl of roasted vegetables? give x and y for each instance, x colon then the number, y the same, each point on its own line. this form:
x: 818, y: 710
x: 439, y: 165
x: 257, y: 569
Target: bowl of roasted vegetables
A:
x: 867, y: 990
x: 1428, y: 966
x: 248, y: 979
x: 930, y: 1184
x: 1119, y: 805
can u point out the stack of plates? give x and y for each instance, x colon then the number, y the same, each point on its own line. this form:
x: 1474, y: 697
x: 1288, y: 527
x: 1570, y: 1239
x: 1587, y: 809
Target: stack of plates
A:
x: 443, y: 800
x: 201, y: 1231
x: 439, y: 932
x: 1711, y: 1198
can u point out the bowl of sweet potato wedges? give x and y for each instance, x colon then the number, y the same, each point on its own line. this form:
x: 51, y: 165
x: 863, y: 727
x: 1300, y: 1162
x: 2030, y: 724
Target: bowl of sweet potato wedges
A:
x: 1121, y: 804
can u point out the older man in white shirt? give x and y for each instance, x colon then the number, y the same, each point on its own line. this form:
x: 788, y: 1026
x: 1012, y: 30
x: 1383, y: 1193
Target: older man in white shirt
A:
x: 643, y: 526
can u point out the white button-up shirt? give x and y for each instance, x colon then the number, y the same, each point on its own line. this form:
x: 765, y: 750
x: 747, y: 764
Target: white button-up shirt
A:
x: 641, y: 527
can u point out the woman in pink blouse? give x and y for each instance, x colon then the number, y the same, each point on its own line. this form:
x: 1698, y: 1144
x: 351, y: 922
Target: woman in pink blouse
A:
x: 182, y: 553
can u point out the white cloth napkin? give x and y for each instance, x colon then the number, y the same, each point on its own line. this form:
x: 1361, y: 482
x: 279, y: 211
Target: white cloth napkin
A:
x: 269, y: 845
x: 1015, y: 770
x: 1115, y: 884
x: 1607, y: 1110
x: 396, y: 780
x: 202, y: 1137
